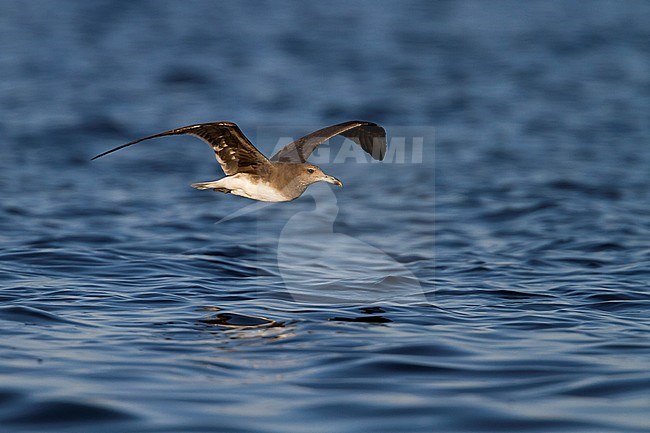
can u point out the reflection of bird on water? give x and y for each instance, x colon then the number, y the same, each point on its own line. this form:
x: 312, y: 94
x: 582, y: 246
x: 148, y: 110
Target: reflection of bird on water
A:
x: 319, y: 265
x: 283, y: 177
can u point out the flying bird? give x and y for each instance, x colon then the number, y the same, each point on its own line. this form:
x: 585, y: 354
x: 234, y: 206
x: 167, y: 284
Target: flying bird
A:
x: 283, y: 177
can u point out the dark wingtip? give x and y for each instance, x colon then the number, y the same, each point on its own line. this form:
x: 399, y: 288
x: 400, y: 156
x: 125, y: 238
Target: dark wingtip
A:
x: 115, y: 149
x: 177, y: 131
x: 108, y: 151
x: 382, y: 153
x: 374, y: 142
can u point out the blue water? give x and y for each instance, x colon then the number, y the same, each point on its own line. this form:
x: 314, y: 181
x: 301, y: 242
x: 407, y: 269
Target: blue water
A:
x: 495, y: 281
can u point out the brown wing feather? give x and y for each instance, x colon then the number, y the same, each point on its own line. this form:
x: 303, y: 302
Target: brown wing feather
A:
x: 370, y: 136
x: 234, y: 152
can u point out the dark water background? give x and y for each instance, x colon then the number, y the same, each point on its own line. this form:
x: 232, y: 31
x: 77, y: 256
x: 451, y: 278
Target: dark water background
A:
x: 523, y: 234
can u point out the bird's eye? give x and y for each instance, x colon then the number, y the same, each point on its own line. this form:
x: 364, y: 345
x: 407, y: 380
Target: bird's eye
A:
x: 310, y: 170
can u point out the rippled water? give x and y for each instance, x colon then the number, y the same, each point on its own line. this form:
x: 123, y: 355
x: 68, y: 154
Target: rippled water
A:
x: 498, y: 281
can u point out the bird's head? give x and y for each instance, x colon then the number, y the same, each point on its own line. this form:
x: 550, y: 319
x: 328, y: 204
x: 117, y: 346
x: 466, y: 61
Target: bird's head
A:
x: 311, y: 174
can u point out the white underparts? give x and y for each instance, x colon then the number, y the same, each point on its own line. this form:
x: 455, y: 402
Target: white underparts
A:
x: 242, y: 185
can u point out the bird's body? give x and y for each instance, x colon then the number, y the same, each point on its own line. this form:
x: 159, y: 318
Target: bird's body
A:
x: 286, y: 175
x: 281, y: 184
x: 245, y: 185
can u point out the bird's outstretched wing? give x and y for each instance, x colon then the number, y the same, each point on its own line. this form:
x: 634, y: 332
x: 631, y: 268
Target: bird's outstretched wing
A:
x: 234, y: 152
x: 370, y: 136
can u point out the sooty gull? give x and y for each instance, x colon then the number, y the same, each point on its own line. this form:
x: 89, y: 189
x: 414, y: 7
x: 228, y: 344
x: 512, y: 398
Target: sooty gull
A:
x: 283, y: 177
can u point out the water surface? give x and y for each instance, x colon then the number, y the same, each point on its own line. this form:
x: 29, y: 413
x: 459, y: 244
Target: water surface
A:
x: 497, y: 283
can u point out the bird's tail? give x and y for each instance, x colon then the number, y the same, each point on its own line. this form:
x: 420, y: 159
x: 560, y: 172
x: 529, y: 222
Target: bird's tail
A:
x: 214, y: 185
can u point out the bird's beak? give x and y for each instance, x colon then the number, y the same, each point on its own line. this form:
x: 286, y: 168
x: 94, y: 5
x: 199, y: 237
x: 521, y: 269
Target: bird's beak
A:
x: 333, y: 181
